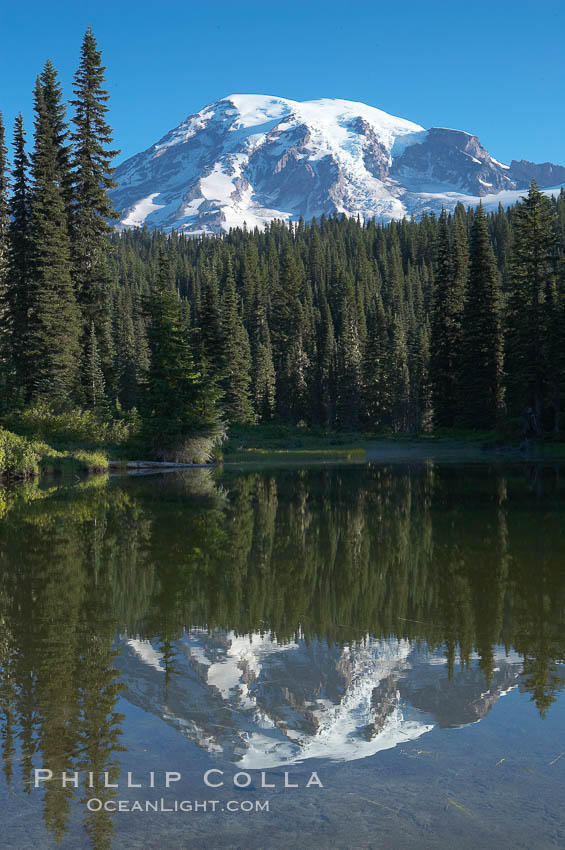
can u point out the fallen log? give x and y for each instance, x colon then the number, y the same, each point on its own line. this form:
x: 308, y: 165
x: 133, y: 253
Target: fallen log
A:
x: 150, y: 464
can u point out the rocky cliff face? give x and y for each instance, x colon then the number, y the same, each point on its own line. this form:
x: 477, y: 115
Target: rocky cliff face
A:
x: 546, y: 174
x: 255, y: 158
x: 454, y: 161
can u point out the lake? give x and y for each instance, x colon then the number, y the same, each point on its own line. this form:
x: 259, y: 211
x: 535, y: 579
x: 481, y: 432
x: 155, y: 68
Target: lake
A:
x: 328, y: 656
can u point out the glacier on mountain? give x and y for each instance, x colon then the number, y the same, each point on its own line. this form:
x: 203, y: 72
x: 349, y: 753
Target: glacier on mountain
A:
x: 254, y: 158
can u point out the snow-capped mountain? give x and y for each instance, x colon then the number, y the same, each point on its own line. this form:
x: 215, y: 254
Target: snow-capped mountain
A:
x: 255, y: 158
x: 261, y: 704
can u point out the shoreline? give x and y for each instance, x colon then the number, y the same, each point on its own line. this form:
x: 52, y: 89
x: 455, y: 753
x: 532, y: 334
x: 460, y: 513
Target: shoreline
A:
x: 279, y: 445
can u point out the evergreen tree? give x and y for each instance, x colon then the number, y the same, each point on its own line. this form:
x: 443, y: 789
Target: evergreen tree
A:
x: 56, y: 113
x: 17, y: 282
x: 482, y: 387
x: 174, y: 405
x: 235, y: 357
x: 420, y: 385
x: 374, y: 367
x: 284, y: 297
x: 5, y: 358
x: 53, y: 320
x: 263, y: 370
x: 93, y: 382
x: 210, y: 322
x: 325, y: 390
x: 348, y: 377
x: 251, y: 279
x: 142, y: 355
x: 532, y: 314
x: 127, y: 366
x: 315, y: 259
x: 92, y: 208
x: 446, y: 322
x: 4, y: 213
x: 293, y: 388
x: 397, y: 380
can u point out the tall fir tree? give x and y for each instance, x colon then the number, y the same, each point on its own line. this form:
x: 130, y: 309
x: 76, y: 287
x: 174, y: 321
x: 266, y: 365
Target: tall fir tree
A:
x: 17, y: 283
x: 420, y: 385
x: 284, y: 296
x: 56, y: 113
x: 127, y: 367
x: 142, y: 353
x: 293, y: 387
x: 235, y: 357
x: 4, y: 212
x: 397, y: 380
x: 53, y: 319
x: 348, y: 371
x: 373, y: 367
x: 482, y: 397
x: 92, y: 209
x: 93, y: 379
x: 5, y: 358
x: 251, y: 282
x: 174, y: 403
x: 210, y: 321
x: 324, y: 387
x: 533, y: 312
x: 263, y: 370
x: 447, y: 316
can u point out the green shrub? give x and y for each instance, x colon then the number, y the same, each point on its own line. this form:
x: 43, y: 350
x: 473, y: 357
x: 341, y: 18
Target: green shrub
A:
x: 74, y: 460
x: 90, y: 461
x: 74, y: 426
x: 22, y: 458
x: 19, y: 458
x: 194, y: 448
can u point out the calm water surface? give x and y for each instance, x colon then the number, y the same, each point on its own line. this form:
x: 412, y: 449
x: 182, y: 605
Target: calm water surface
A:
x: 396, y: 630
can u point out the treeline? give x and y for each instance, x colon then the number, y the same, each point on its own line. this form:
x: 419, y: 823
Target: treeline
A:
x: 449, y: 322
x: 404, y: 327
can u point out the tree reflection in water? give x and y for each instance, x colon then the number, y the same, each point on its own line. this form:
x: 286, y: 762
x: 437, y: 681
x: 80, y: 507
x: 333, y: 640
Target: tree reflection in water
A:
x: 461, y: 560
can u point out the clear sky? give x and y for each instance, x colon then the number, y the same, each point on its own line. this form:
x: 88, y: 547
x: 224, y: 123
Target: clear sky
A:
x: 496, y: 69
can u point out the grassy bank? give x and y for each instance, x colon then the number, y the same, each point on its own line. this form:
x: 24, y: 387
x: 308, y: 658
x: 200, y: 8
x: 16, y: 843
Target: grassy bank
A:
x: 262, y: 443
x: 38, y: 441
x: 21, y: 457
x: 281, y: 443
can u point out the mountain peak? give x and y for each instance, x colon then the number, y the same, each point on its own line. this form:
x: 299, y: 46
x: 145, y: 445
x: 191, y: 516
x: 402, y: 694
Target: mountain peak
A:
x: 255, y: 157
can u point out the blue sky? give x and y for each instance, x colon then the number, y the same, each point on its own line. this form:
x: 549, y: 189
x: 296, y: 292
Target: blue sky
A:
x: 496, y: 69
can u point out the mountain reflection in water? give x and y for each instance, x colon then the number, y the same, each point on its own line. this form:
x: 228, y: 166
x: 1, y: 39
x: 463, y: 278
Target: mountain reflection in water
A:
x: 271, y: 616
x: 263, y: 704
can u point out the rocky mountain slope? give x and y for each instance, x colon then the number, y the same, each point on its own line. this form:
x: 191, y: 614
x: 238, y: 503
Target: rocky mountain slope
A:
x: 255, y: 158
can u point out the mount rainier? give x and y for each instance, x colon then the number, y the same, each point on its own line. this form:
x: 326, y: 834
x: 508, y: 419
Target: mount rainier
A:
x: 255, y: 158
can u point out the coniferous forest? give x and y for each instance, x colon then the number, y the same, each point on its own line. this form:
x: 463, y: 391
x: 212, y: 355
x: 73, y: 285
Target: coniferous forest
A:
x: 338, y: 324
